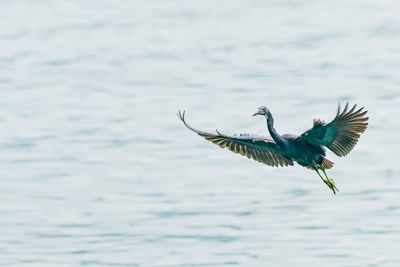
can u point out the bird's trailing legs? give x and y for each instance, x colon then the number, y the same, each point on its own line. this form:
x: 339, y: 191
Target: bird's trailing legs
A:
x: 329, y: 182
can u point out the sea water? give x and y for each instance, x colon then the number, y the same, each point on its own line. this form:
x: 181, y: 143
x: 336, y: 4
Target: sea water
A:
x: 97, y: 170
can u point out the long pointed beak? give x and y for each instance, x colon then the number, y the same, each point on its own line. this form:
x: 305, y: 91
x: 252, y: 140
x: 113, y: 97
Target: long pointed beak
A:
x: 258, y: 113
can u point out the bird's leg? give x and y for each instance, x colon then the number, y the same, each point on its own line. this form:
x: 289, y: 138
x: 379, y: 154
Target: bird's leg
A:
x: 327, y: 182
x: 330, y: 181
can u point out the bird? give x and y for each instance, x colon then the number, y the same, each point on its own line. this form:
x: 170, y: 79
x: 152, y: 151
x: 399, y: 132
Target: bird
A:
x: 307, y: 149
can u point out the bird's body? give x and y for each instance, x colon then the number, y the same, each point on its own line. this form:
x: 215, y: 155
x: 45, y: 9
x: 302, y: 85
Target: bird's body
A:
x: 340, y: 136
x: 301, y: 152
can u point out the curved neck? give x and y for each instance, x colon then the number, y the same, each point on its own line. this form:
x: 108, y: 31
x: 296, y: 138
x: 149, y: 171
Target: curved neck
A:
x: 270, y: 123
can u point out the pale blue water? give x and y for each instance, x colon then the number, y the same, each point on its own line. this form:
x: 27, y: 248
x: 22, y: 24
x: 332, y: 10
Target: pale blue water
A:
x: 96, y: 169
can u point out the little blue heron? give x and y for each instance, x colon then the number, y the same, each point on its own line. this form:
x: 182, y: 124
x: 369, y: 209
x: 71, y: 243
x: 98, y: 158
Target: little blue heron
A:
x: 340, y: 136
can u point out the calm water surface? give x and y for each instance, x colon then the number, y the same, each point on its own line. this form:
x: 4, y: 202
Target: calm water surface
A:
x: 97, y: 170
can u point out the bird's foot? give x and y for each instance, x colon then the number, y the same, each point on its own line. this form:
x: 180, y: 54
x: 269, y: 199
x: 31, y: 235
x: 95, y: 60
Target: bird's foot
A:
x: 331, y: 184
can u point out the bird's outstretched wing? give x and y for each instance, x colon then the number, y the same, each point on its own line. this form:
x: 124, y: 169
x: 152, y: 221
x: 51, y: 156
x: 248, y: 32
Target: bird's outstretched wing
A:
x: 341, y: 134
x: 258, y: 148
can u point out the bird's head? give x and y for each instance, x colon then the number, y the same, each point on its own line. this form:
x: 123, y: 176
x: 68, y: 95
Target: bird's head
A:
x: 262, y: 110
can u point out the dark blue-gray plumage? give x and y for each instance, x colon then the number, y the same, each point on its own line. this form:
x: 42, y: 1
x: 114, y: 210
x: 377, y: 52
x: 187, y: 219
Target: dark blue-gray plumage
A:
x: 340, y: 136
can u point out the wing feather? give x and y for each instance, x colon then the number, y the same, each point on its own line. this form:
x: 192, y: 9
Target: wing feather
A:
x: 341, y: 134
x: 255, y: 147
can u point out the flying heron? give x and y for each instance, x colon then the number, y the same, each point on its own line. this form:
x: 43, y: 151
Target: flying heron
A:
x: 307, y: 149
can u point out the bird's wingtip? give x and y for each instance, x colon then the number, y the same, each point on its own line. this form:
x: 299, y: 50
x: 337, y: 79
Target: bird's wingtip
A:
x: 341, y: 112
x: 338, y: 110
x: 181, y: 115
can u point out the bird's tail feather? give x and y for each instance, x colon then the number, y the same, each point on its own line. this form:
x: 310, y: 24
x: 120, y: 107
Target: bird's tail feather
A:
x: 326, y: 163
